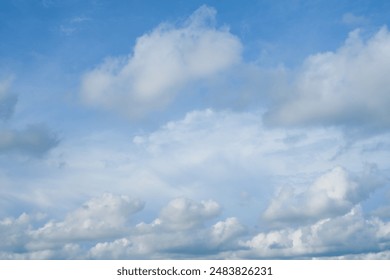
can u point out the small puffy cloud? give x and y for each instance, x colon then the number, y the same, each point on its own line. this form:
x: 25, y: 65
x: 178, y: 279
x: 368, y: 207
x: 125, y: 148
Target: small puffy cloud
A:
x: 224, y: 232
x: 183, y: 213
x: 162, y: 63
x: 7, y: 100
x: 34, y: 140
x: 348, y: 87
x: 332, y: 194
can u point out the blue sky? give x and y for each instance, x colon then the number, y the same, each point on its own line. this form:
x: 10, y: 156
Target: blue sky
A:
x: 192, y: 129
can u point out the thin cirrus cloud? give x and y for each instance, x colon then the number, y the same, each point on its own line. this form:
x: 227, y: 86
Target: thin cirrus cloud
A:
x: 347, y: 87
x: 162, y: 63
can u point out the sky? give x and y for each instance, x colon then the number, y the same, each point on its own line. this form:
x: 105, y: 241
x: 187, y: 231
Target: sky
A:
x: 194, y: 129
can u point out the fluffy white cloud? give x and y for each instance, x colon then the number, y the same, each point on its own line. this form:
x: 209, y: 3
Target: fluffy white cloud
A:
x: 101, y: 217
x: 332, y: 194
x: 224, y: 232
x: 100, y: 230
x: 162, y: 62
x: 347, y: 234
x: 180, y: 231
x: 346, y: 87
x: 182, y: 213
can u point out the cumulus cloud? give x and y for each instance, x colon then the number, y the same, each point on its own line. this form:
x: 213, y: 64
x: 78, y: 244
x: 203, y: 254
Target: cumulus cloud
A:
x: 7, y: 100
x: 223, y: 149
x: 182, y: 213
x: 13, y: 232
x: 347, y: 87
x: 224, y: 232
x: 351, y: 233
x: 34, y: 140
x: 332, y: 194
x: 180, y: 231
x: 100, y: 217
x: 100, y: 229
x: 162, y: 63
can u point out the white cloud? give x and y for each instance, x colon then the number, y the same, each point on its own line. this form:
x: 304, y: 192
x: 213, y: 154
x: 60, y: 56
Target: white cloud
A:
x: 346, y: 87
x: 182, y: 213
x: 180, y: 231
x: 224, y: 232
x: 13, y: 232
x: 101, y: 217
x: 206, y: 154
x: 162, y: 62
x: 100, y: 230
x: 332, y: 194
x: 349, y: 234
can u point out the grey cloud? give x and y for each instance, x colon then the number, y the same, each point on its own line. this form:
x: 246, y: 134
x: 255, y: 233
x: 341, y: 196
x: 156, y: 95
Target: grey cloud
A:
x: 7, y: 105
x: 7, y: 100
x: 34, y: 140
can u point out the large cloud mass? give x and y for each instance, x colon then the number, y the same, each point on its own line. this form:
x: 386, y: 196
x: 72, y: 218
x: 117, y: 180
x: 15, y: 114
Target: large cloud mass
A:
x: 162, y: 62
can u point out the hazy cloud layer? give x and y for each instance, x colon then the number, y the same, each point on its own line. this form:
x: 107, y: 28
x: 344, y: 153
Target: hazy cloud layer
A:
x: 162, y: 62
x: 7, y: 100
